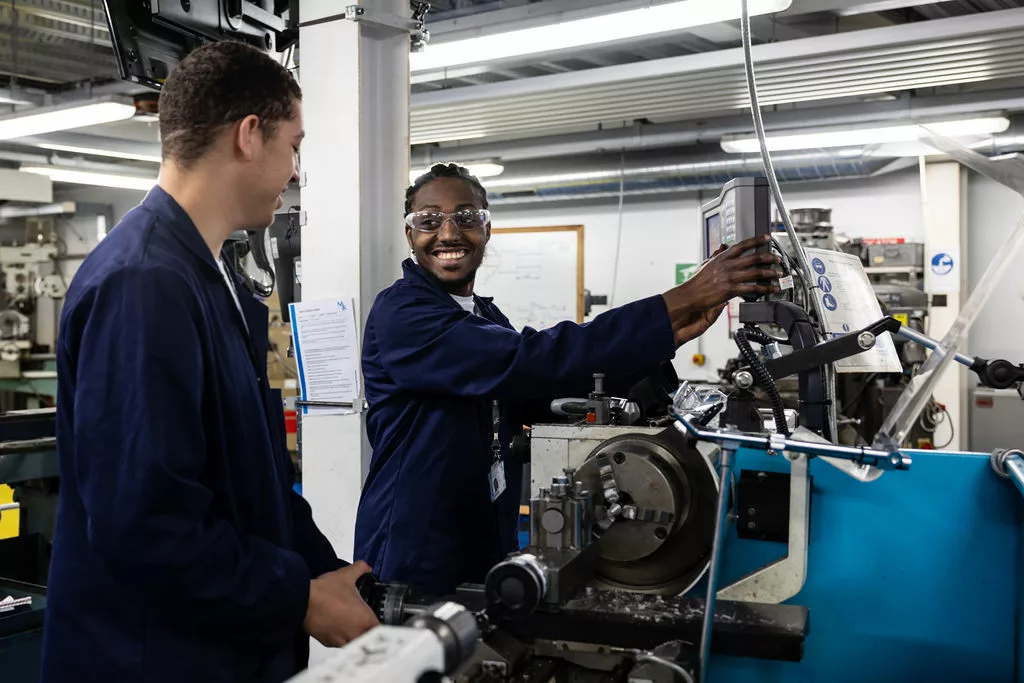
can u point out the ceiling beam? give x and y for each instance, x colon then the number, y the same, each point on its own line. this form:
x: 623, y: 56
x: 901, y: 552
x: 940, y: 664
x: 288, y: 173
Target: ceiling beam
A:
x: 795, y: 49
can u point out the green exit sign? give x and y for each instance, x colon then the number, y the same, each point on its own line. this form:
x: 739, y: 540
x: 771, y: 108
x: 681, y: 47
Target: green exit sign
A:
x: 684, y: 271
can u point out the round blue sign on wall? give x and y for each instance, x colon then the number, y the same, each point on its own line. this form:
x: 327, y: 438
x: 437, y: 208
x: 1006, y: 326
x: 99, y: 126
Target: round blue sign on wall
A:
x: 942, y: 264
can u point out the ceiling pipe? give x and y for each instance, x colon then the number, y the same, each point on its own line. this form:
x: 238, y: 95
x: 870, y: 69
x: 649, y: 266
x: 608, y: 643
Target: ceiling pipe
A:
x: 607, y: 171
x: 593, y: 185
x: 95, y: 145
x: 73, y: 164
x: 58, y: 209
x: 653, y: 193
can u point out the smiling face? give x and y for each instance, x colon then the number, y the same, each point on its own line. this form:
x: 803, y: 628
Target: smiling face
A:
x: 272, y: 161
x: 452, y: 255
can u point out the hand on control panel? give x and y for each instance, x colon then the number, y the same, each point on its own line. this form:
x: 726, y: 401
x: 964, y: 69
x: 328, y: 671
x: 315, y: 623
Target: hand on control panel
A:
x: 337, y: 612
x: 695, y: 305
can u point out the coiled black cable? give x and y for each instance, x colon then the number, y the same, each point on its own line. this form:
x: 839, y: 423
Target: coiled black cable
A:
x: 752, y: 334
x: 762, y: 376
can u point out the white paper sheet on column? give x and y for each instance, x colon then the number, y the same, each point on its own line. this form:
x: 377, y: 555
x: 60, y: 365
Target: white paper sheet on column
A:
x: 850, y: 305
x: 327, y: 354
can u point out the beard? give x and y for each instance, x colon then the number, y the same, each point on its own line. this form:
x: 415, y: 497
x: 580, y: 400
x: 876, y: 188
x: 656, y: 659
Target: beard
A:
x: 451, y: 286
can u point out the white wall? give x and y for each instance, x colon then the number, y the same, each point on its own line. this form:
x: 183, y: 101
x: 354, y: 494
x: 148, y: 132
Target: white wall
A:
x: 656, y: 235
x: 992, y: 213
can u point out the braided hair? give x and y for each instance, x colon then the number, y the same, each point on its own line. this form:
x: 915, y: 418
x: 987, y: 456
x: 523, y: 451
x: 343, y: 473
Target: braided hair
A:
x: 444, y: 171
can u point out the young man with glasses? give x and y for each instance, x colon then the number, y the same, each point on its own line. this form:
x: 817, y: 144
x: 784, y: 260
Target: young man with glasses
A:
x: 444, y: 370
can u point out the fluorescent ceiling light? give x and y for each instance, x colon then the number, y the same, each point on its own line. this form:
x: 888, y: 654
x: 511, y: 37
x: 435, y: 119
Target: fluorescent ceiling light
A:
x: 483, y: 169
x: 96, y: 151
x: 849, y: 137
x: 606, y: 28
x: 65, y: 117
x: 67, y: 175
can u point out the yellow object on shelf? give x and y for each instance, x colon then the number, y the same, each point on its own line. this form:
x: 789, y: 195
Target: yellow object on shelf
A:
x: 11, y: 519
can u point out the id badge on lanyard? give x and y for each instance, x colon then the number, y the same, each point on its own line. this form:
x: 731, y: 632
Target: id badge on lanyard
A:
x: 496, y: 476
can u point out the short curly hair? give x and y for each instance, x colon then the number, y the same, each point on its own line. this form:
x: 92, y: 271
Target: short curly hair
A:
x: 444, y: 171
x: 215, y: 86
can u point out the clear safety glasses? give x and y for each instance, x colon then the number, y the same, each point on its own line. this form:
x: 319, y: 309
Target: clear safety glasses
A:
x: 465, y: 220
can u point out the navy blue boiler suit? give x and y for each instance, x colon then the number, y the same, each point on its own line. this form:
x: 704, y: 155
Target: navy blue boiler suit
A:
x: 431, y: 371
x: 180, y: 551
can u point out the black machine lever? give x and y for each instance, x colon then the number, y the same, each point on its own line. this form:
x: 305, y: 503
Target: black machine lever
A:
x: 829, y: 352
x: 998, y: 374
x: 994, y: 374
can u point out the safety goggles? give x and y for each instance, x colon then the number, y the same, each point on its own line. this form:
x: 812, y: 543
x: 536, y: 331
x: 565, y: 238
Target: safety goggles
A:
x: 465, y: 220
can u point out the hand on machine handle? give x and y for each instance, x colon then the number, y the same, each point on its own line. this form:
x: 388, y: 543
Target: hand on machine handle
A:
x: 337, y: 612
x: 696, y: 304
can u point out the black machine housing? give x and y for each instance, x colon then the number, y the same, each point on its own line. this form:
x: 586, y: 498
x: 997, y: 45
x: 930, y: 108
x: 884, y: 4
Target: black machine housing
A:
x: 150, y: 37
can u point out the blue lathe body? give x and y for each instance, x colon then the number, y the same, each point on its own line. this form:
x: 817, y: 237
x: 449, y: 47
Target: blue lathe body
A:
x: 916, y: 576
x: 913, y: 577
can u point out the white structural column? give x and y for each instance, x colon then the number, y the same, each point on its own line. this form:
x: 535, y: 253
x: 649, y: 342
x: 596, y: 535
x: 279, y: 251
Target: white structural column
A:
x: 383, y: 154
x: 355, y: 82
x: 944, y: 195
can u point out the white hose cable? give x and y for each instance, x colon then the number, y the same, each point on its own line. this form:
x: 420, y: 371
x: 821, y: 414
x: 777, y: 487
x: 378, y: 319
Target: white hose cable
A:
x: 612, y: 300
x: 801, y: 256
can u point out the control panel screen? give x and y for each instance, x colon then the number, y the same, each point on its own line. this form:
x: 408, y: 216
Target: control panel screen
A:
x: 712, y: 234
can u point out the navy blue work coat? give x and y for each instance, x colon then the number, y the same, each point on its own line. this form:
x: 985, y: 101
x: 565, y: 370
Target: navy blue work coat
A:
x: 431, y: 371
x: 180, y: 551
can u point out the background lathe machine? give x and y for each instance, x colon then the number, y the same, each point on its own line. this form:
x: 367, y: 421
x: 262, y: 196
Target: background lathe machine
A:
x: 645, y: 509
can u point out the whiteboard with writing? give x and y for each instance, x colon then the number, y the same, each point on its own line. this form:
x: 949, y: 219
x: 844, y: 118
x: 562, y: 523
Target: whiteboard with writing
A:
x: 534, y: 274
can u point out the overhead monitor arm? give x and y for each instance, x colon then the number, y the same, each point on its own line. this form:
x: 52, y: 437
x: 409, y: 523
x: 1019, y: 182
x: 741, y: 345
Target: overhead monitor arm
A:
x: 149, y: 39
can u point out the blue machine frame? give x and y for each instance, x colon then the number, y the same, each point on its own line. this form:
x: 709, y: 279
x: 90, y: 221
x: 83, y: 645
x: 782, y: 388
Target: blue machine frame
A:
x: 913, y: 577
x: 916, y: 576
